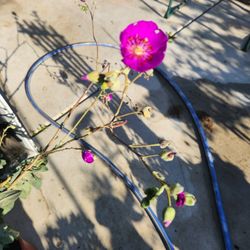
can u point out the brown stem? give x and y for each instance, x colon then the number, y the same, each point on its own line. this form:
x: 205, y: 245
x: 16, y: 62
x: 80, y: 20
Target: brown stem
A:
x: 91, y: 13
x: 27, y: 168
x: 81, y: 118
x: 67, y: 117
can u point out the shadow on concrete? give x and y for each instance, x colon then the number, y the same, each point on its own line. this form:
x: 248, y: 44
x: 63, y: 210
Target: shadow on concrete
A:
x: 73, y: 232
x: 235, y: 190
x: 118, y: 216
x: 227, y: 104
x: 19, y: 220
x: 151, y: 8
x: 47, y: 38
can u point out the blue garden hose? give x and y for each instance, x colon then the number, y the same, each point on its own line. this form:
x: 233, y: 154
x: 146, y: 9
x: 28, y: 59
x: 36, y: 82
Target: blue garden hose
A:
x: 157, y: 224
x: 161, y: 231
x: 209, y: 158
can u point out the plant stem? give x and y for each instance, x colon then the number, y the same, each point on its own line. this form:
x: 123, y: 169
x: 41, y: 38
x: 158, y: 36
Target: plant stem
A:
x: 127, y: 83
x: 149, y: 156
x: 68, y: 116
x: 122, y: 98
x: 168, y: 195
x: 27, y: 168
x: 144, y: 145
x: 91, y: 13
x: 127, y: 114
x: 81, y: 118
x: 4, y: 133
x: 62, y: 149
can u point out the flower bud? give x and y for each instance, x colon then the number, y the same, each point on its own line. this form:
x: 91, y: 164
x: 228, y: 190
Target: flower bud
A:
x: 147, y: 112
x: 176, y: 189
x: 145, y: 202
x: 107, y: 98
x: 111, y: 75
x: 111, y: 80
x: 190, y: 199
x: 88, y: 156
x: 164, y: 143
x: 167, y: 155
x: 168, y: 216
x: 151, y: 192
x: 92, y: 77
x: 158, y: 175
x: 180, y: 199
x: 104, y: 86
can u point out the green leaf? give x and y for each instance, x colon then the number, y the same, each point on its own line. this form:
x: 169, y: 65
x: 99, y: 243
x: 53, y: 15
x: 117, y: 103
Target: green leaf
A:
x: 7, y: 235
x: 151, y: 192
x: 7, y: 200
x: 2, y: 163
x: 41, y: 166
x: 25, y: 188
x: 35, y: 181
x: 15, y: 175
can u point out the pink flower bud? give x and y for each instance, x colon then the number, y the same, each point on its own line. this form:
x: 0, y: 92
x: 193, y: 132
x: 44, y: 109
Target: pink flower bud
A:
x: 92, y: 77
x: 168, y: 216
x: 88, y: 156
x: 181, y: 198
x: 167, y: 155
x: 190, y: 199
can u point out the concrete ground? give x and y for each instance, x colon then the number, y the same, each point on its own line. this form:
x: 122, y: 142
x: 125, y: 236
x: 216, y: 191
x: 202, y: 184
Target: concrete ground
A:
x: 82, y: 207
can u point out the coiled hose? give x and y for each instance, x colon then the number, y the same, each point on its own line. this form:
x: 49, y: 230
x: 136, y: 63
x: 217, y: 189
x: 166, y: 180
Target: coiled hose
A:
x: 135, y: 191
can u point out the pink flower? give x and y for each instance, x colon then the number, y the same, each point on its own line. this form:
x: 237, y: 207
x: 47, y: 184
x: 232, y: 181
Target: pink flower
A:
x: 181, y: 198
x: 88, y: 156
x: 143, y: 45
x: 108, y: 97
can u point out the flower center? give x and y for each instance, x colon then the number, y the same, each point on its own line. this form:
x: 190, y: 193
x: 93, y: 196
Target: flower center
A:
x: 139, y: 47
x: 139, y: 51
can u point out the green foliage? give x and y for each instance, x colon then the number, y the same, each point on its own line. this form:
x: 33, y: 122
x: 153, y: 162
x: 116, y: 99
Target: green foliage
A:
x: 2, y: 163
x: 7, y: 200
x: 151, y: 194
x: 31, y: 178
x: 145, y: 202
x: 7, y: 235
x: 21, y: 189
x: 24, y: 187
